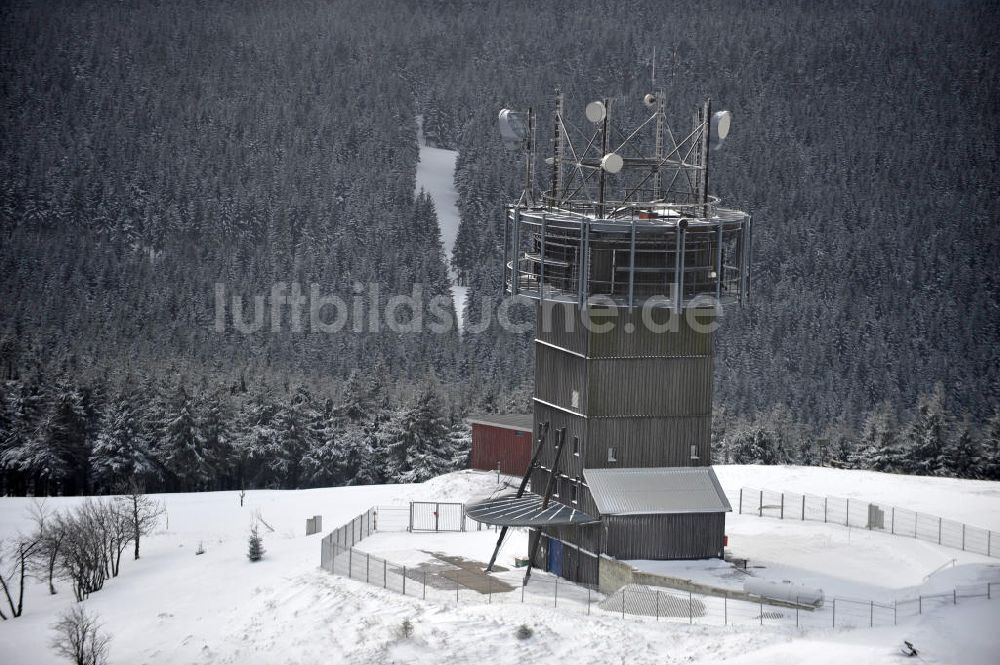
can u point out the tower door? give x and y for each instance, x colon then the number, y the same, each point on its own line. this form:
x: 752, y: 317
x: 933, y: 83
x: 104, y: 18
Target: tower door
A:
x: 555, y: 556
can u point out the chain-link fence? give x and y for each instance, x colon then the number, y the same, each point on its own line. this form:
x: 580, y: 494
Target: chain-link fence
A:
x: 866, y: 515
x: 443, y: 584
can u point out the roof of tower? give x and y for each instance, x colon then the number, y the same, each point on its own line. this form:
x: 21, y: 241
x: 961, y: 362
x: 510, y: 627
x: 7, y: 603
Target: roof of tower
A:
x: 656, y: 491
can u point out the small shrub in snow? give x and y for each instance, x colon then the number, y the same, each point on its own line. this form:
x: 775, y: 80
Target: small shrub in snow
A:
x: 406, y: 629
x: 255, y: 551
x: 79, y: 638
x: 201, y: 549
x: 524, y: 632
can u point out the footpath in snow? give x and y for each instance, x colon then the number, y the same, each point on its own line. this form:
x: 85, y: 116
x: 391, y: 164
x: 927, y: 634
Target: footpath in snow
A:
x: 436, y: 176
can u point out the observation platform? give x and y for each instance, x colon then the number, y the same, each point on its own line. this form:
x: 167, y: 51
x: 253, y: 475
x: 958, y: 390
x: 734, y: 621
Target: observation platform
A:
x: 527, y: 510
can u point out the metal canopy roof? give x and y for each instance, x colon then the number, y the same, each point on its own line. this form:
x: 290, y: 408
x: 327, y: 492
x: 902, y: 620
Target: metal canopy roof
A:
x: 527, y: 510
x: 517, y: 421
x: 656, y: 491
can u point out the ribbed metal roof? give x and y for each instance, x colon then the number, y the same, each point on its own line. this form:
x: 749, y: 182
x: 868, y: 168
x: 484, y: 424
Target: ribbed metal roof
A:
x: 523, y: 422
x: 527, y: 510
x: 658, y: 490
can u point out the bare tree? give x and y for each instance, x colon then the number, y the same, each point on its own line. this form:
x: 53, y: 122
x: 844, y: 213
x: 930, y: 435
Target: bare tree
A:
x: 143, y: 511
x: 50, y: 535
x: 15, y: 560
x: 79, y: 637
x: 83, y: 557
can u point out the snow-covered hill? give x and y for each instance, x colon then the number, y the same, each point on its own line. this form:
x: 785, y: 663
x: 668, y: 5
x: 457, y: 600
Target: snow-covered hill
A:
x: 172, y: 606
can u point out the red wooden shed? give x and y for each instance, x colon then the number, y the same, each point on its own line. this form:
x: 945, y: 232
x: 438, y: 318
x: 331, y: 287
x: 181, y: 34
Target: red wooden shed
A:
x: 504, y: 439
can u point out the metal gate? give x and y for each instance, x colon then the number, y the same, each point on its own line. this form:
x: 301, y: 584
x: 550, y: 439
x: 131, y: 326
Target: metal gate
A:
x: 433, y: 516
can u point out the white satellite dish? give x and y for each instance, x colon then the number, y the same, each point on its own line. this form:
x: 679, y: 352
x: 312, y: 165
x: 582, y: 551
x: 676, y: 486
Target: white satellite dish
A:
x: 612, y: 162
x: 513, y: 127
x: 719, y: 127
x: 595, y: 112
x: 649, y: 100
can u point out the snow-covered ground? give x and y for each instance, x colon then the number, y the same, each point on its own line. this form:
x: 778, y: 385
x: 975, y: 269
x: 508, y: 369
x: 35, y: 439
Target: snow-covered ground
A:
x: 172, y: 606
x: 436, y: 176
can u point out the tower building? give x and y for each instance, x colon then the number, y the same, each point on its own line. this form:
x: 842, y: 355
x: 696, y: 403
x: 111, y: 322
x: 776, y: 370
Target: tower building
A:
x: 629, y: 261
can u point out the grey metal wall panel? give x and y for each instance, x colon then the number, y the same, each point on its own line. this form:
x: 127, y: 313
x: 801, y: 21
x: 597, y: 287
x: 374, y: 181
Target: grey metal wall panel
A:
x: 558, y: 375
x: 673, y: 336
x: 559, y: 324
x: 649, y: 387
x: 648, y: 442
x: 682, y: 536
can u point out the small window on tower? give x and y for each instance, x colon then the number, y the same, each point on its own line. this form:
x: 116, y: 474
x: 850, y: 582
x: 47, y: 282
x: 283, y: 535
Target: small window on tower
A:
x: 573, y: 488
x: 612, y: 455
x: 576, y: 446
x: 694, y: 451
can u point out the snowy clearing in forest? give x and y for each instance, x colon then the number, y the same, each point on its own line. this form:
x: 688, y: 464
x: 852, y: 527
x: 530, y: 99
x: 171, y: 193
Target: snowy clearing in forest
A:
x: 436, y: 176
x: 172, y: 606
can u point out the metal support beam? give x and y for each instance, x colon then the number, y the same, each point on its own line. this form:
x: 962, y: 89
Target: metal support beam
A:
x: 553, y: 474
x: 543, y: 432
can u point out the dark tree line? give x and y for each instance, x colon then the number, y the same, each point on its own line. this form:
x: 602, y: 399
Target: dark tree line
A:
x: 67, y: 439
x: 151, y: 150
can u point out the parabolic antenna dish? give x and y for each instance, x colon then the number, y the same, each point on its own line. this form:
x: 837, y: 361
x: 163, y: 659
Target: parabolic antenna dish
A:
x: 595, y: 112
x: 612, y: 162
x: 513, y: 127
x: 720, y: 125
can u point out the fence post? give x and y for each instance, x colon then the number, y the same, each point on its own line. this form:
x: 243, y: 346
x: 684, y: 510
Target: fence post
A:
x: 385, y: 574
x: 760, y: 505
x: 725, y: 608
x: 939, y: 529
x: 796, y: 611
x: 761, y: 610
x: 954, y: 596
x: 404, y: 580
x: 410, y: 528
x: 963, y: 536
x: 989, y: 588
x: 894, y: 612
x: 588, y: 601
x: 690, y: 608
x: 803, y: 507
x: 368, y: 568
x: 847, y: 520
x: 920, y: 604
x: 871, y: 613
x: 782, y: 513
x: 989, y: 538
x: 425, y: 585
x: 741, y: 501
x: 892, y: 521
x: 350, y: 563
x: 657, y: 605
x: 623, y: 602
x: 826, y: 501
x: 556, y: 594
x: 522, y: 593
x: 834, y: 612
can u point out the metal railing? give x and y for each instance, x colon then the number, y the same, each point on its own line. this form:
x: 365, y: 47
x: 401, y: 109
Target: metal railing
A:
x: 867, y: 515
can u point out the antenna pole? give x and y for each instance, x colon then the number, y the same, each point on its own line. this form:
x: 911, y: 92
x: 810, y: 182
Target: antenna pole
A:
x: 604, y: 151
x: 653, y: 81
x: 557, y: 151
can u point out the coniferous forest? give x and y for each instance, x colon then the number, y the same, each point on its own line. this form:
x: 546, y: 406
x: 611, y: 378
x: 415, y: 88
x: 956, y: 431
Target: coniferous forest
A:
x: 153, y: 150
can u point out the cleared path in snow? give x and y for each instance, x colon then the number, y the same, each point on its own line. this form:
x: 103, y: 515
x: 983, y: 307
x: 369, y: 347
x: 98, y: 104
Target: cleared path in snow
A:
x: 436, y: 176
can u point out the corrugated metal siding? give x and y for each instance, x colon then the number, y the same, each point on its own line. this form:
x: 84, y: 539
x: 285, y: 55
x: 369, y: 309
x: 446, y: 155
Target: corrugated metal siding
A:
x: 648, y: 441
x: 679, y: 338
x: 682, y: 536
x: 673, y: 490
x: 650, y: 387
x: 557, y: 375
x: 512, y: 449
x: 575, y: 427
x: 560, y: 324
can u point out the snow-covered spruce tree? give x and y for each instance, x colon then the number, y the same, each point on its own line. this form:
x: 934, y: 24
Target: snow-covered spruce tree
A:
x: 416, y: 441
x: 255, y: 545
x: 121, y: 450
x: 292, y: 439
x: 182, y: 444
x: 881, y: 448
x: 218, y: 445
x: 926, y: 436
x: 963, y: 457
x: 991, y: 448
